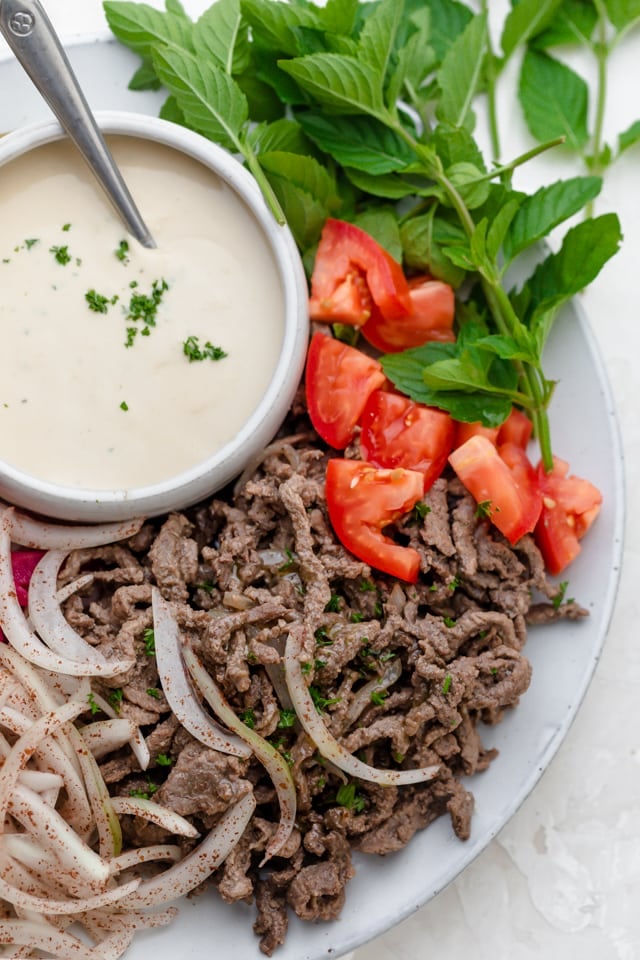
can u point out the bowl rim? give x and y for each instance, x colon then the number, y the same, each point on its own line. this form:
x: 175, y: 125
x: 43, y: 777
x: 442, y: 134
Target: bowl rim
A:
x: 70, y: 502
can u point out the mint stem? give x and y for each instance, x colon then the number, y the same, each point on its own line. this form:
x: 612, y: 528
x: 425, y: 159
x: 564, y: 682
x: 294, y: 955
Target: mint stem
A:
x: 601, y: 51
x: 263, y: 182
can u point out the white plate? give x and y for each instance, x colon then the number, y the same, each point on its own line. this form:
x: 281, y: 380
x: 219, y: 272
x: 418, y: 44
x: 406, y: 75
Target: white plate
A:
x: 584, y: 427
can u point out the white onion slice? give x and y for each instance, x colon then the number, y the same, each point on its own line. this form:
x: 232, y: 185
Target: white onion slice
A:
x: 106, y: 820
x: 200, y: 863
x: 14, y: 622
x: 326, y: 743
x: 49, y: 622
x: 362, y: 698
x: 37, y: 934
x: 272, y: 760
x: 40, y: 780
x: 43, y: 535
x: 47, y: 906
x: 164, y: 817
x: 177, y: 688
x: 133, y: 858
x: 105, y: 736
x: 137, y: 742
x: 70, y: 588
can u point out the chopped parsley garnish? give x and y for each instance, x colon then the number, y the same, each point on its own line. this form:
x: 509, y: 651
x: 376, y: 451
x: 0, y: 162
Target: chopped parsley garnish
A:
x: 93, y: 706
x: 348, y: 796
x: 163, y: 760
x: 334, y: 604
x: 356, y: 617
x: 320, y: 702
x: 145, y: 794
x: 378, y: 697
x: 149, y: 639
x: 321, y: 637
x: 421, y: 509
x: 207, y: 585
x: 378, y: 609
x: 366, y: 586
x: 306, y: 668
x: 449, y: 621
x: 287, y: 719
x: 483, y: 509
x: 115, y: 698
x: 289, y: 563
x: 248, y: 718
x: 453, y: 584
x: 61, y: 254
x: 97, y: 302
x: 132, y: 333
x: 192, y: 349
x: 66, y: 227
x: 122, y: 252
x: 559, y: 598
x: 145, y: 308
x: 31, y: 242
x: 154, y: 692
x: 446, y: 685
x: 124, y: 405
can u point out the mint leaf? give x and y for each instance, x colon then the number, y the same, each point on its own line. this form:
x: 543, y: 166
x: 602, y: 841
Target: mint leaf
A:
x: 622, y: 13
x: 223, y: 34
x: 359, y: 142
x: 338, y: 16
x: 629, y: 137
x: 448, y: 20
x: 391, y: 186
x: 305, y: 190
x: 460, y: 73
x: 141, y: 27
x: 381, y: 223
x: 545, y: 209
x: 554, y: 99
x: 274, y: 25
x: 500, y: 225
x: 456, y: 145
x: 340, y: 82
x: 423, y: 238
x: 210, y: 100
x: 526, y: 19
x: 176, y: 8
x: 574, y: 22
x: 585, y: 250
x: 144, y: 78
x: 377, y: 38
x: 171, y: 111
x: 469, y: 182
x: 280, y: 135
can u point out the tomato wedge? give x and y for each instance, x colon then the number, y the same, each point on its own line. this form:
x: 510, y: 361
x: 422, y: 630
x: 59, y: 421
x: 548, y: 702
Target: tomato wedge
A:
x: 430, y: 318
x: 353, y: 275
x: 23, y: 563
x: 464, y: 431
x: 362, y: 500
x: 396, y: 432
x: 503, y: 481
x: 338, y: 382
x: 569, y: 507
x: 517, y: 429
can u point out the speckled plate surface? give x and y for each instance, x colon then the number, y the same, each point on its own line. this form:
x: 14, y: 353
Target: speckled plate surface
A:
x: 564, y: 656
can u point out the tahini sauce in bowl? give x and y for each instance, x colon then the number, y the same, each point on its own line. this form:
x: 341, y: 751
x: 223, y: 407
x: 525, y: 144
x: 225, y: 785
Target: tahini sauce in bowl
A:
x: 133, y: 380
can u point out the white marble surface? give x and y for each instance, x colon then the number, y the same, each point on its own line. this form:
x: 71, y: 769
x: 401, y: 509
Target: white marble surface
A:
x: 562, y: 878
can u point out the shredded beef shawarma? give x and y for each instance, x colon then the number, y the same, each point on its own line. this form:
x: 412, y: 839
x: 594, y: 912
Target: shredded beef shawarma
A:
x: 240, y: 572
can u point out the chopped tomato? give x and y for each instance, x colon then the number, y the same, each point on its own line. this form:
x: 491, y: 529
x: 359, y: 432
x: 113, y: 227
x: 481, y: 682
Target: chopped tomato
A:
x: 396, y: 432
x: 23, y: 563
x: 353, y: 275
x: 430, y: 318
x: 362, y: 500
x: 517, y: 429
x: 464, y: 431
x: 338, y: 380
x: 569, y: 507
x: 502, y: 481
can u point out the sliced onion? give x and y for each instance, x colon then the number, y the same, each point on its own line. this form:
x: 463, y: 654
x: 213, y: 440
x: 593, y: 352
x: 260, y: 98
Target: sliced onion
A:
x: 272, y: 760
x: 106, y: 820
x: 133, y: 858
x: 177, y: 688
x: 37, y: 934
x: 137, y: 742
x: 14, y: 622
x: 40, y: 780
x: 47, y: 906
x: 168, y: 819
x: 200, y: 863
x: 42, y: 535
x: 362, y: 699
x: 326, y: 743
x: 49, y: 621
x: 105, y: 736
x: 70, y: 588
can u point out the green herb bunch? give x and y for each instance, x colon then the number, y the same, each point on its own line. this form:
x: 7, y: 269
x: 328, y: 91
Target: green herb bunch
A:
x: 365, y: 111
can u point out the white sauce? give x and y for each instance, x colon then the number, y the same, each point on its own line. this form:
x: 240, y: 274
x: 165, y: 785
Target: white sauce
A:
x: 66, y: 375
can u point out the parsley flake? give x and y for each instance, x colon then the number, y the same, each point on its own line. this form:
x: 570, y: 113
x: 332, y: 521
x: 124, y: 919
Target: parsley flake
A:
x: 61, y: 255
x: 348, y: 796
x: 163, y: 760
x: 192, y: 349
x: 97, y: 302
x: 446, y: 686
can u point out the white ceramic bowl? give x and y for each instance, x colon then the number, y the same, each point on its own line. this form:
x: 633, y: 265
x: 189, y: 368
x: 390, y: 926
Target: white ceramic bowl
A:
x: 223, y: 464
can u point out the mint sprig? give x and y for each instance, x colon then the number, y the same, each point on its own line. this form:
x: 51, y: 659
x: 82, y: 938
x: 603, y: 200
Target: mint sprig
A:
x: 366, y: 111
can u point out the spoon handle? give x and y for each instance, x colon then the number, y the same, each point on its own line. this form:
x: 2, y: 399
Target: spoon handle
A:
x: 30, y: 34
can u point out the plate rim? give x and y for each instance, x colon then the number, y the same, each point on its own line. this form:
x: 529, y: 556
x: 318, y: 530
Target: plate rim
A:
x: 608, y: 603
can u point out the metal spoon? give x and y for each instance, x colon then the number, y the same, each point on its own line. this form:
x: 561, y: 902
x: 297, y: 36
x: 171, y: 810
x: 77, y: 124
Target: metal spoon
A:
x: 30, y: 34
